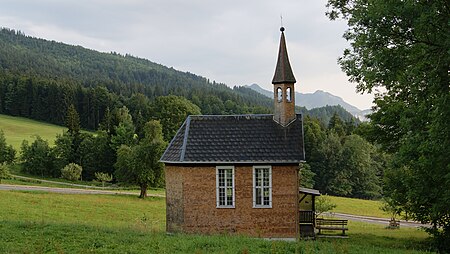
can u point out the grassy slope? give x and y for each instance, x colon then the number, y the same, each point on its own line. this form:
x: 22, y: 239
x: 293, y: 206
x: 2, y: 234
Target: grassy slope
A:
x: 358, y: 207
x: 17, y: 129
x: 44, y: 222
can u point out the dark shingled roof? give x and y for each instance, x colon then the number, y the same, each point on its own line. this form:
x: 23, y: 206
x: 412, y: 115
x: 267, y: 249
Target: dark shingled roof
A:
x: 236, y: 139
x: 283, y: 71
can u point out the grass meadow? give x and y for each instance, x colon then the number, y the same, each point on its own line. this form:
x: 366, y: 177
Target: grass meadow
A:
x: 38, y: 222
x: 17, y: 129
x: 358, y: 207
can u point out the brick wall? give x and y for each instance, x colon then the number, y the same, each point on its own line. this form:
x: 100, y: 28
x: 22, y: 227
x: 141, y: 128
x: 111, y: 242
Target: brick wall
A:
x: 174, y: 199
x: 197, y: 202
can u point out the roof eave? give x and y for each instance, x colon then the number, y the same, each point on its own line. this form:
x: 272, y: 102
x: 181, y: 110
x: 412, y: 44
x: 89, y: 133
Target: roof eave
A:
x: 233, y: 162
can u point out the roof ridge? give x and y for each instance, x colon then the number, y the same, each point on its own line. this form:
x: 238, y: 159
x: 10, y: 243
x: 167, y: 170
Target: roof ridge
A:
x: 173, y: 140
x: 240, y: 115
x: 185, y: 138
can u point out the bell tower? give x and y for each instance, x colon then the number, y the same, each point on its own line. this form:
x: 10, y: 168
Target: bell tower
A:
x: 283, y: 85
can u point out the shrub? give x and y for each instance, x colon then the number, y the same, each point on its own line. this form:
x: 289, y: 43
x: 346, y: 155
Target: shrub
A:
x: 103, y: 177
x: 7, y: 152
x: 38, y: 158
x: 324, y: 204
x: 71, y: 172
x: 4, y: 172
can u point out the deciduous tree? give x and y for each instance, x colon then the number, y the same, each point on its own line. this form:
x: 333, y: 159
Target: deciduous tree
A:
x: 171, y: 111
x: 140, y: 164
x: 403, y: 48
x: 7, y: 152
x: 4, y: 171
x: 71, y: 172
x: 38, y: 159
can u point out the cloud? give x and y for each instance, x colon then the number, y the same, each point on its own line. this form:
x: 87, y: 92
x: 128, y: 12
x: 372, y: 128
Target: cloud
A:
x: 234, y: 42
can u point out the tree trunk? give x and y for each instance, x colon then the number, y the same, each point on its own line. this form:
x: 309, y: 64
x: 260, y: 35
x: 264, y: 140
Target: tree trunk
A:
x: 143, y: 191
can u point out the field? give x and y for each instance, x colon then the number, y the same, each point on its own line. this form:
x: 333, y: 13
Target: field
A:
x: 44, y: 222
x: 17, y: 129
x: 358, y: 207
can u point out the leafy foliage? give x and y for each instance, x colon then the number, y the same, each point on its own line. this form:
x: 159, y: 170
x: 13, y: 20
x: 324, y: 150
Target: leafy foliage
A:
x: 172, y: 111
x: 343, y: 163
x: 124, y: 132
x: 103, y: 177
x: 71, y: 172
x: 323, y: 205
x: 7, y: 152
x: 306, y: 177
x: 37, y: 158
x: 64, y: 151
x: 403, y: 47
x: 140, y: 164
x: 4, y: 171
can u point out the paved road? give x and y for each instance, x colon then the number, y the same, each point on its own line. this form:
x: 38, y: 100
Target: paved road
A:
x: 69, y: 190
x: 375, y: 220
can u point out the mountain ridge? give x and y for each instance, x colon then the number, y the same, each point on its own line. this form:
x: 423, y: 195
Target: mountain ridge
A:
x: 317, y: 99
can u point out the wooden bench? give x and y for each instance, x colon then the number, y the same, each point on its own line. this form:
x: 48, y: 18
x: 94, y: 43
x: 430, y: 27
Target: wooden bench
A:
x: 331, y: 224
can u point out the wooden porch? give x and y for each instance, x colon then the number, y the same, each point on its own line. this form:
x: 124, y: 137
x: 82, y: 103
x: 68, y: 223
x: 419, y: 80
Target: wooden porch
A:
x: 306, y: 213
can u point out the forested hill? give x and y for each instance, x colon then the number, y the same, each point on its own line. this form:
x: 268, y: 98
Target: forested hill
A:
x: 48, y: 67
x: 40, y: 79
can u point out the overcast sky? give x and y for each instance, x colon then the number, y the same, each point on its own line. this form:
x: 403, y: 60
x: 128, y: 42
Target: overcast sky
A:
x: 233, y: 42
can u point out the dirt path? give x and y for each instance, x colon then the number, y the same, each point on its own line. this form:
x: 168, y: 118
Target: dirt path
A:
x: 60, y: 183
x: 69, y: 190
x: 375, y: 220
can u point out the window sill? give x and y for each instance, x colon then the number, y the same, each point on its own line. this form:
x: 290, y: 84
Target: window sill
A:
x: 225, y: 207
x: 262, y: 206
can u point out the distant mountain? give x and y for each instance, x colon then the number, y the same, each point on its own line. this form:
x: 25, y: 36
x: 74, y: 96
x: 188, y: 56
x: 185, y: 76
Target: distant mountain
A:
x: 316, y: 100
x: 265, y: 92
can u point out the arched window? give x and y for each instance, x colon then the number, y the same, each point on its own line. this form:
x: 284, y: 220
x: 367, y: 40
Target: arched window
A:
x: 279, y: 94
x: 288, y: 94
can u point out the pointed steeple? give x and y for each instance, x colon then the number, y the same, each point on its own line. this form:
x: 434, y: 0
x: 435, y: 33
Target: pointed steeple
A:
x: 283, y: 87
x: 283, y: 71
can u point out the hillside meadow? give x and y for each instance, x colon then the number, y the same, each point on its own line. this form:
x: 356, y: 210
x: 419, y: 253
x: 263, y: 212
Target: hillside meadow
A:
x: 38, y: 222
x: 358, y: 207
x: 17, y: 129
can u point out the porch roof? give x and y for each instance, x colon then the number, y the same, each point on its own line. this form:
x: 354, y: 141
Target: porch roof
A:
x: 309, y: 191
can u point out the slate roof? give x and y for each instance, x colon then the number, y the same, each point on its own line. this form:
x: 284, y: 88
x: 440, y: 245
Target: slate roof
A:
x: 220, y: 139
x: 283, y: 71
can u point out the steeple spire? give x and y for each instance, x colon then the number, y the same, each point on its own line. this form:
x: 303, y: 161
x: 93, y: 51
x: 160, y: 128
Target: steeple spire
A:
x: 283, y: 87
x: 283, y: 71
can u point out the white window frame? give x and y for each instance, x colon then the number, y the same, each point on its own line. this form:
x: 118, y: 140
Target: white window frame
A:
x: 262, y: 187
x: 225, y: 187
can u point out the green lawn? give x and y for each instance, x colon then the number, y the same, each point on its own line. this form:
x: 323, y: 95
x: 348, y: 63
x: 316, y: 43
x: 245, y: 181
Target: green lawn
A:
x: 58, y: 223
x: 358, y: 207
x: 17, y: 129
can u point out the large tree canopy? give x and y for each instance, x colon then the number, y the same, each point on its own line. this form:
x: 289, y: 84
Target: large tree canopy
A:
x: 401, y: 50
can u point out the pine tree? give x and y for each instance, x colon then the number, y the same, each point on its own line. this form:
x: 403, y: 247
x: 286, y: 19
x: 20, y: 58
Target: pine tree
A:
x: 73, y: 120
